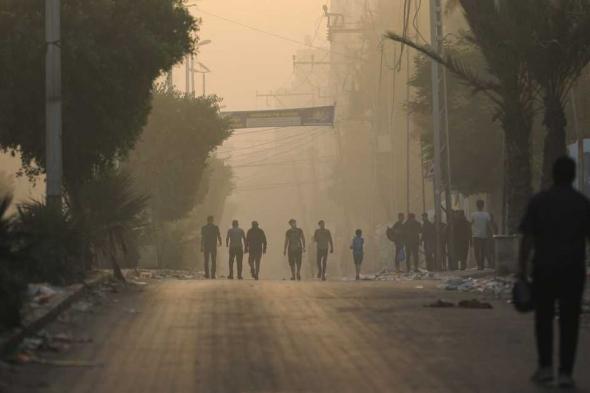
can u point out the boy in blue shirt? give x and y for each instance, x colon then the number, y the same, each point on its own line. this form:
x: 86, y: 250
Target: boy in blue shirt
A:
x: 357, y: 251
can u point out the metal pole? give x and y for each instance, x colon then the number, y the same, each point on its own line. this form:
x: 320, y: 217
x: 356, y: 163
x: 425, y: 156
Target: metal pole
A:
x: 187, y: 76
x: 448, y: 173
x: 169, y: 83
x: 435, y: 30
x: 53, y: 106
x: 193, y: 88
x: 408, y: 133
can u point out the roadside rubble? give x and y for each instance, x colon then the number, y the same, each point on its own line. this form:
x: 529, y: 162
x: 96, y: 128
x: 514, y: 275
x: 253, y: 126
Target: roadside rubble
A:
x: 499, y: 287
x: 471, y: 304
x: 140, y: 276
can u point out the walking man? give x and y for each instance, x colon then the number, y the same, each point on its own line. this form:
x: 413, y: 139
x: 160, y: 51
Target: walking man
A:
x: 481, y: 224
x: 235, y: 240
x: 357, y: 247
x: 556, y: 226
x: 210, y: 239
x: 323, y: 239
x: 255, y: 247
x: 396, y: 235
x: 412, y: 230
x: 295, y: 244
x: 428, y: 240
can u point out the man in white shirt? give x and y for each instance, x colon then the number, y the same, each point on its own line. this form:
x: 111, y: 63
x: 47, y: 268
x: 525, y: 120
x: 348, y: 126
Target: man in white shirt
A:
x: 481, y: 227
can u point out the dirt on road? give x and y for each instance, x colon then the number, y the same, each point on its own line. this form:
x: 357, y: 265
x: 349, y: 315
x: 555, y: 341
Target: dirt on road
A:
x: 281, y: 336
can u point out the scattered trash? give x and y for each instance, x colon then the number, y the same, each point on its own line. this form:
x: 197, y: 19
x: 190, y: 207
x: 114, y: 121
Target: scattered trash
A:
x: 476, y: 304
x: 42, y: 293
x: 62, y: 363
x: 82, y: 306
x: 440, y: 304
x: 419, y: 287
x: 497, y: 287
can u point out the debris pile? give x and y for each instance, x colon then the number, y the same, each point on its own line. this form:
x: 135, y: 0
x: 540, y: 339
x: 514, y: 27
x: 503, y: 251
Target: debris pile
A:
x: 472, y: 303
x: 139, y: 276
x: 498, y: 287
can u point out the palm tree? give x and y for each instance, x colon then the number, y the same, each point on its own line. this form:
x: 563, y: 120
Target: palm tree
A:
x: 560, y: 52
x: 108, y: 209
x: 501, y: 35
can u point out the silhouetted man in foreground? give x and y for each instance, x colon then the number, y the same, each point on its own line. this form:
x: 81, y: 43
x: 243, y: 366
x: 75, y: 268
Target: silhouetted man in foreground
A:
x: 323, y: 239
x: 210, y: 238
x: 295, y: 244
x: 556, y: 225
x: 255, y: 247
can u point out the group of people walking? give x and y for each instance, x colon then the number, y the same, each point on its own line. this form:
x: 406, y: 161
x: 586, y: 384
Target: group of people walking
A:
x: 408, y: 234
x: 254, y: 243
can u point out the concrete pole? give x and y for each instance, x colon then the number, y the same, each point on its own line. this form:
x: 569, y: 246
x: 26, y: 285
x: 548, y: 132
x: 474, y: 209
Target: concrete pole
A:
x: 53, y: 106
x: 187, y: 70
x: 435, y: 37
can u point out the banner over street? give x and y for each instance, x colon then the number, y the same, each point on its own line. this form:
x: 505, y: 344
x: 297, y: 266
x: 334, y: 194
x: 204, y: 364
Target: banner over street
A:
x: 296, y: 117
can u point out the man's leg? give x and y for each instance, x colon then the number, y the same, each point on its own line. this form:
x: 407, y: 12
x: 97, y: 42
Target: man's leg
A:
x: 298, y: 260
x: 416, y: 257
x: 292, y: 263
x: 232, y: 256
x: 571, y: 292
x: 324, y: 264
x: 398, y: 250
x: 319, y: 255
x: 257, y: 260
x: 408, y: 258
x: 240, y: 259
x: 213, y: 262
x: 206, y: 256
x: 477, y: 248
x: 544, y: 314
x: 251, y: 263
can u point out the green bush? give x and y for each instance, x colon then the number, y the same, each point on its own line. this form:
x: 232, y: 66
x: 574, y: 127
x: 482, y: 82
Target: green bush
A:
x: 55, y: 249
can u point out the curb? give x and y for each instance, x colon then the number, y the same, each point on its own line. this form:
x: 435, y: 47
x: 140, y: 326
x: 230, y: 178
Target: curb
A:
x: 74, y: 292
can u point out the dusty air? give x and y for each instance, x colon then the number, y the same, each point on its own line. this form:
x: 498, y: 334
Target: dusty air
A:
x: 294, y: 196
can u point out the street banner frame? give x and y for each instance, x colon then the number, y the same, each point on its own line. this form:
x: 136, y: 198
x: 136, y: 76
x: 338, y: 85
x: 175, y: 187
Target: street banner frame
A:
x: 319, y: 116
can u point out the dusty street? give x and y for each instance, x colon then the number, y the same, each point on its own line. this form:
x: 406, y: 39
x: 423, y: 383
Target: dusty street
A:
x: 280, y: 336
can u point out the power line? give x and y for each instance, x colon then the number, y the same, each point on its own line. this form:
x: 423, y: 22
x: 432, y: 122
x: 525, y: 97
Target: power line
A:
x: 279, y: 36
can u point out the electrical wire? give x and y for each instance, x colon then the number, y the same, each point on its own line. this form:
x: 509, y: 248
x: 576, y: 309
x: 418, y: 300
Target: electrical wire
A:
x: 278, y: 36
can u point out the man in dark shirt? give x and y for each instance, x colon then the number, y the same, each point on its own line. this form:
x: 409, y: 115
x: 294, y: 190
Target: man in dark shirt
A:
x: 323, y: 239
x: 295, y: 244
x: 429, y: 241
x: 412, y: 230
x: 396, y: 235
x: 255, y: 247
x: 210, y: 238
x: 556, y: 226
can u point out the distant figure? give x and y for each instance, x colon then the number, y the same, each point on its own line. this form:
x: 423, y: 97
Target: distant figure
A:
x: 295, y: 244
x: 463, y: 234
x: 396, y: 235
x: 210, y: 238
x: 481, y: 224
x: 428, y: 241
x: 556, y: 225
x: 235, y: 240
x: 357, y: 248
x: 255, y: 247
x: 323, y: 238
x: 412, y: 230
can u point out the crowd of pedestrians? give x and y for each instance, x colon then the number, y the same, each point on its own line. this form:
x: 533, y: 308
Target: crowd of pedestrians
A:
x: 254, y: 244
x: 408, y: 234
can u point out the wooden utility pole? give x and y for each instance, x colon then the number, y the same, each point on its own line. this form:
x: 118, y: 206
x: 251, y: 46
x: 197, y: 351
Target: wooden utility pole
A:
x: 53, y: 103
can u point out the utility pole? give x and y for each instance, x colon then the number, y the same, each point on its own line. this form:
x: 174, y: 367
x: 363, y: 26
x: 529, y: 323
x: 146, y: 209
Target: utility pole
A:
x: 53, y: 106
x: 169, y: 82
x: 192, y: 65
x: 187, y: 66
x: 436, y: 43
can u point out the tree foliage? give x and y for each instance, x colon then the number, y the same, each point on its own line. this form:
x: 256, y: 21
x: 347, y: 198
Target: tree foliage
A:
x: 476, y: 142
x: 112, y: 51
x: 170, y: 157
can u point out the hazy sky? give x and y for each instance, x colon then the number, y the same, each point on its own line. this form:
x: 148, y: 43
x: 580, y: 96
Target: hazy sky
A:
x: 244, y: 61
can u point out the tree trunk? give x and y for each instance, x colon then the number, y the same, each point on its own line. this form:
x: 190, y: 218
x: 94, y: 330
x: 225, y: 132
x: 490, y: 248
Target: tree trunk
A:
x: 555, y: 147
x: 517, y: 128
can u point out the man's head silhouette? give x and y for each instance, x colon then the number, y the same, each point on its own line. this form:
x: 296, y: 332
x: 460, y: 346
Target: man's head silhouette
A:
x: 564, y: 171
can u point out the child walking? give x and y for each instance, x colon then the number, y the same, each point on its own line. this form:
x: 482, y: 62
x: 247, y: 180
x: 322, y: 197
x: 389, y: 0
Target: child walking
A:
x: 357, y: 251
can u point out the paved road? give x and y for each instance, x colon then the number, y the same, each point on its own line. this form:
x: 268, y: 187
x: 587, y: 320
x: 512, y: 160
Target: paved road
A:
x: 280, y: 336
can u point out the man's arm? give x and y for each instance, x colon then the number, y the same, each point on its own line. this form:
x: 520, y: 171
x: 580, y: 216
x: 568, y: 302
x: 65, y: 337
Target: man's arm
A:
x: 227, y: 238
x: 202, y: 239
x: 286, y: 244
x: 303, y: 239
x: 526, y: 246
x: 331, y: 242
x: 219, y: 237
x: 247, y: 242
